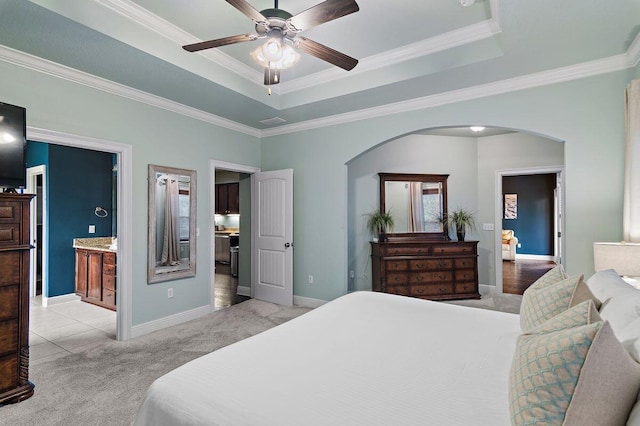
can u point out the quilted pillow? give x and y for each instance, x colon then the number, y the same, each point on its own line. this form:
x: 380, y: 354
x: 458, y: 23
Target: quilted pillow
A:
x: 544, y: 301
x: 574, y: 376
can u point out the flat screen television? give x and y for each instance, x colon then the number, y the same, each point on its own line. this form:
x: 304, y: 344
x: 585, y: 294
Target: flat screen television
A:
x: 13, y: 146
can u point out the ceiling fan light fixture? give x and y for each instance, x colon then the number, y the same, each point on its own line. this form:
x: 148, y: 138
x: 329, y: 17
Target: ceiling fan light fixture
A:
x: 288, y: 58
x: 272, y: 49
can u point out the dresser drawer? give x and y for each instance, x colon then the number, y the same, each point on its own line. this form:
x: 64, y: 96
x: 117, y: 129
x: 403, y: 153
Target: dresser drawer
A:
x: 431, y: 277
x: 397, y: 279
x: 466, y: 287
x: 465, y: 262
x: 465, y: 275
x: 109, y: 258
x: 8, y: 336
x: 402, y: 290
x: 9, y: 234
x: 416, y: 250
x: 8, y: 305
x: 452, y: 249
x: 430, y: 264
x: 10, y: 211
x: 431, y: 289
x: 109, y: 297
x: 109, y: 269
x: 396, y: 265
x: 109, y: 282
x: 10, y: 267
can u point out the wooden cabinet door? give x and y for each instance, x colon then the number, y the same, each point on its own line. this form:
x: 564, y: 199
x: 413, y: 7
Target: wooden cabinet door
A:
x: 222, y: 195
x: 233, y: 198
x: 94, y: 275
x: 81, y: 272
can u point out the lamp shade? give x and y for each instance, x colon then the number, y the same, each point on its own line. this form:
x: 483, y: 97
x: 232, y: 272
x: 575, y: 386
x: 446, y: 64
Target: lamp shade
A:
x: 624, y: 258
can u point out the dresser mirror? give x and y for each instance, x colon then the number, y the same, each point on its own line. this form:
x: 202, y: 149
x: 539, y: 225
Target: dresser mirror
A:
x: 172, y: 224
x: 417, y: 203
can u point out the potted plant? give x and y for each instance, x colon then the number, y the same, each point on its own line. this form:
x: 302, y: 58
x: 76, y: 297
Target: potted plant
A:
x: 378, y: 223
x: 461, y: 219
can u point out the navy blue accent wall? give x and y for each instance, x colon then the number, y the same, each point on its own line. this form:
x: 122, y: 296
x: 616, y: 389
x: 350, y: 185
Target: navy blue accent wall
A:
x: 534, y: 225
x: 37, y: 154
x: 78, y: 181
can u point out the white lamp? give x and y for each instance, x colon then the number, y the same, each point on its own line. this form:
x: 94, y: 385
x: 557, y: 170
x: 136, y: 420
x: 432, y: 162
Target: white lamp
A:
x: 623, y: 257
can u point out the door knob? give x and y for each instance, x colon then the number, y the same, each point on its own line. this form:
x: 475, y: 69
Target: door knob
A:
x: 287, y: 245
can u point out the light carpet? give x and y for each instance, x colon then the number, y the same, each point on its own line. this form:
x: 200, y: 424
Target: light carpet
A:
x: 106, y: 384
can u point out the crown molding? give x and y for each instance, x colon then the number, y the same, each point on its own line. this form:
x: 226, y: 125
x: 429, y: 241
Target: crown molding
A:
x: 544, y: 78
x: 634, y: 51
x: 54, y: 69
x: 439, y: 43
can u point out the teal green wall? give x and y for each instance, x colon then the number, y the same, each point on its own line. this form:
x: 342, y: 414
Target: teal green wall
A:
x: 158, y: 137
x: 587, y: 114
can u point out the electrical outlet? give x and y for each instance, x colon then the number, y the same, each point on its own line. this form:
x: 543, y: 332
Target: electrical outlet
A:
x: 310, y: 279
x: 352, y: 274
x: 519, y: 245
x: 92, y: 229
x: 169, y: 293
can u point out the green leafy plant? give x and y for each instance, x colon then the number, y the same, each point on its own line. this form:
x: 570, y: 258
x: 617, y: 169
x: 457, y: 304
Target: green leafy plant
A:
x: 461, y: 219
x: 378, y: 222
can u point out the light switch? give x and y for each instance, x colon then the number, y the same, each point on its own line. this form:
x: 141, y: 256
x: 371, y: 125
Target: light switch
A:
x: 487, y: 226
x: 92, y: 229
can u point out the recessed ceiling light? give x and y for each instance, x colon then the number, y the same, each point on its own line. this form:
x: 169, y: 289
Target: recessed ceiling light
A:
x: 477, y: 129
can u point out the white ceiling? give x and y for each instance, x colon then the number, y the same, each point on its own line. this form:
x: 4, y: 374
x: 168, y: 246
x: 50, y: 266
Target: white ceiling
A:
x: 412, y: 53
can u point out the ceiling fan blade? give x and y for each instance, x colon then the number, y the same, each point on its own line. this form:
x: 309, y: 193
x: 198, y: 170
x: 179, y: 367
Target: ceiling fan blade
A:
x: 248, y: 10
x: 323, y: 12
x: 325, y: 53
x: 195, y: 47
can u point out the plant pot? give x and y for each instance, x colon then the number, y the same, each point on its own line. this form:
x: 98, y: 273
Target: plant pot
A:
x: 461, y: 233
x: 382, y: 237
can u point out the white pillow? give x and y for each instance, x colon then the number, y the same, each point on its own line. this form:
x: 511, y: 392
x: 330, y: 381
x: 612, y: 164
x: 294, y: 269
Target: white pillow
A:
x: 630, y: 338
x: 606, y: 284
x: 621, y: 310
x: 634, y: 417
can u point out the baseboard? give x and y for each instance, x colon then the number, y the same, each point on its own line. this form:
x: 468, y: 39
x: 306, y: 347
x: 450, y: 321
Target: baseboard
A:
x: 534, y: 257
x: 243, y: 290
x: 159, y: 324
x: 486, y: 290
x: 308, y: 302
x: 57, y: 300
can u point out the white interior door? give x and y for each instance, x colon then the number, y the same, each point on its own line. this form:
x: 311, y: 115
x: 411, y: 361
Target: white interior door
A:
x: 272, y: 225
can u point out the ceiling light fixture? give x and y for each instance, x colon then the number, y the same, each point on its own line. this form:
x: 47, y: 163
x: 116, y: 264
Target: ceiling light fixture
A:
x: 477, y: 129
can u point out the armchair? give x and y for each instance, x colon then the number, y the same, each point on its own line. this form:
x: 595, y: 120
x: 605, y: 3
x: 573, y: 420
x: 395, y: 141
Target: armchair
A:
x: 509, y: 244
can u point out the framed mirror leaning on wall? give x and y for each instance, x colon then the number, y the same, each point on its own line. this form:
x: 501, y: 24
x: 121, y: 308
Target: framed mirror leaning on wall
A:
x: 172, y: 224
x: 417, y: 202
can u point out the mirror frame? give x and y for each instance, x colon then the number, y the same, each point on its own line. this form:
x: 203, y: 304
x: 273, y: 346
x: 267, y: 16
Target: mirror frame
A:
x: 152, y: 275
x: 414, y: 177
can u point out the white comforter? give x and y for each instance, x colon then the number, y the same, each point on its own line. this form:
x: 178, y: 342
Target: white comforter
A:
x: 363, y: 359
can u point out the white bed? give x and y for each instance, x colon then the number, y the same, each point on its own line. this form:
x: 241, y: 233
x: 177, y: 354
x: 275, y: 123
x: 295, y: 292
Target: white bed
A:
x: 363, y: 359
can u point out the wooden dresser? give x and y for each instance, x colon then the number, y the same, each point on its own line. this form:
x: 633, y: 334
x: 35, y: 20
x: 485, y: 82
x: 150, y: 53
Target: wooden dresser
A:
x: 436, y: 270
x: 96, y: 277
x: 14, y: 298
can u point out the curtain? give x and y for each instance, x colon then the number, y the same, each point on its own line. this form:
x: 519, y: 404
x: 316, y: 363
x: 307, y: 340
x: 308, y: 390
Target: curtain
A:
x: 171, y: 243
x: 631, y: 212
x: 416, y: 213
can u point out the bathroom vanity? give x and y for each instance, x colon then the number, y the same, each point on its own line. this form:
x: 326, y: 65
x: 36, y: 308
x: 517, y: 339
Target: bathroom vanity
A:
x: 96, y: 271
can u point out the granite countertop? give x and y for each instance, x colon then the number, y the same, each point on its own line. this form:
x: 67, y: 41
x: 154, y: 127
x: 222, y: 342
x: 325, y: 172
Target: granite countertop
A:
x: 99, y: 243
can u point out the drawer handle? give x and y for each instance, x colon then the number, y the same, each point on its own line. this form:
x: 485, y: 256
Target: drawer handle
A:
x: 420, y: 291
x: 443, y: 290
x: 441, y: 264
x: 419, y: 265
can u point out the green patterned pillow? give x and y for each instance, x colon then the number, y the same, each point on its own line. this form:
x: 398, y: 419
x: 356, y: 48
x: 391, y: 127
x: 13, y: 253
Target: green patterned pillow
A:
x: 542, y: 302
x: 581, y: 314
x: 575, y: 376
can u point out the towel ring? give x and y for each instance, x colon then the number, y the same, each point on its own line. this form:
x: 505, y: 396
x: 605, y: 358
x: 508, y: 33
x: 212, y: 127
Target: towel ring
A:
x: 100, y: 212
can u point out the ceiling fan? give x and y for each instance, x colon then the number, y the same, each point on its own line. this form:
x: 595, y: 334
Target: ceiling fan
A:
x: 281, y: 31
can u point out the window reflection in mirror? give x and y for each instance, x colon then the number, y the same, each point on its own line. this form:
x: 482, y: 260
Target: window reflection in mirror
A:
x: 171, y: 223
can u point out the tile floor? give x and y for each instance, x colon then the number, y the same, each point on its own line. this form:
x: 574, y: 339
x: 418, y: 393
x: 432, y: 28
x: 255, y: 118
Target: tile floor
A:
x: 58, y: 330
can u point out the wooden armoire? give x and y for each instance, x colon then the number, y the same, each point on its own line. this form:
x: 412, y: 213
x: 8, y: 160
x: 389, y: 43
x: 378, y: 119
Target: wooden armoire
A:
x: 14, y: 298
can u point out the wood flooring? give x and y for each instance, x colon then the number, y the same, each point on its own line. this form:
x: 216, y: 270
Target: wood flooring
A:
x: 517, y: 276
x: 226, y: 288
